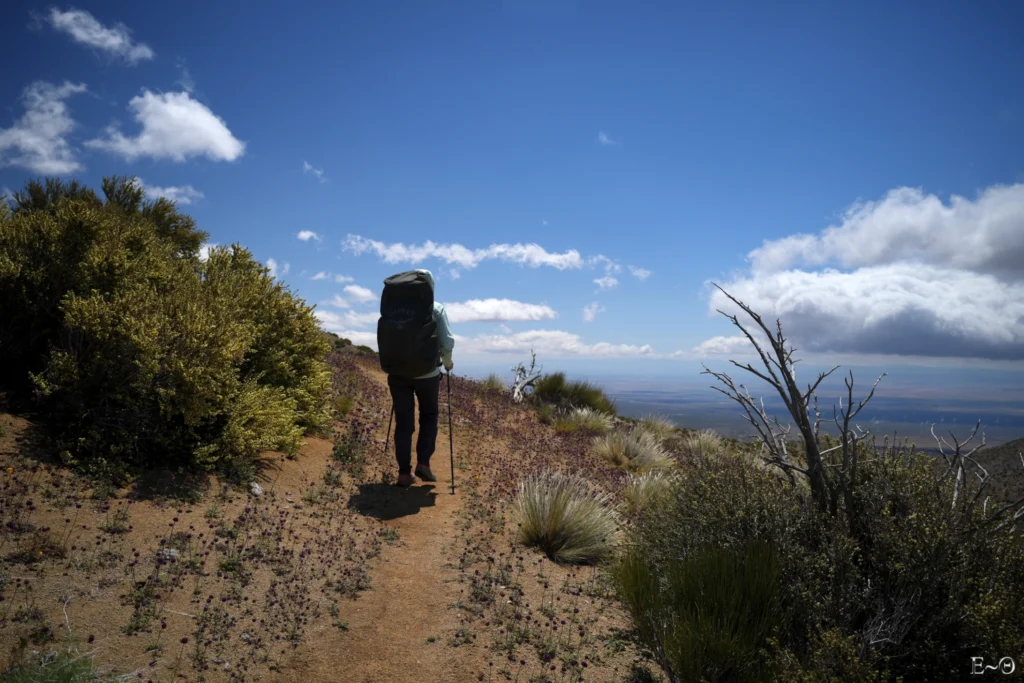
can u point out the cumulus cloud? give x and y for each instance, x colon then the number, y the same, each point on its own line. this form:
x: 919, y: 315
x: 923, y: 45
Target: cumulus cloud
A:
x: 907, y: 275
x: 184, y: 194
x: 115, y: 40
x: 307, y: 235
x: 606, y: 282
x: 721, y: 346
x: 985, y: 234
x: 274, y: 271
x: 640, y: 273
x: 337, y: 323
x: 551, y: 343
x: 610, y: 266
x: 340, y: 279
x: 174, y: 126
x: 318, y: 172
x: 348, y: 320
x: 604, y: 139
x: 532, y: 255
x: 38, y: 140
x: 590, y: 312
x: 360, y: 294
x: 337, y: 301
x: 497, y: 310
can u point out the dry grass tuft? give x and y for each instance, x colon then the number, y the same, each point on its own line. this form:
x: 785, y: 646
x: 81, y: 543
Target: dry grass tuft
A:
x: 704, y: 443
x: 634, y: 451
x: 565, y: 518
x: 645, y: 490
x: 584, y: 419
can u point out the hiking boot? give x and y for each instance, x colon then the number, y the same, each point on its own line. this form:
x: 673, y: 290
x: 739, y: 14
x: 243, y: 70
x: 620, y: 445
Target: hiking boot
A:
x: 405, y: 480
x: 424, y: 473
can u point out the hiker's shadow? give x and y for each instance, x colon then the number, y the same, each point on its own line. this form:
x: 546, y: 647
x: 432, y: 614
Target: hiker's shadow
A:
x: 387, y: 501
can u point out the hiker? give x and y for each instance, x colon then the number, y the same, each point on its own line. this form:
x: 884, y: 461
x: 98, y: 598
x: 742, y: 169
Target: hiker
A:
x: 413, y: 339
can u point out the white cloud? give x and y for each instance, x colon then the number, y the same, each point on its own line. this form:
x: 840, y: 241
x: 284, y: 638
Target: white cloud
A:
x: 347, y: 320
x: 921, y: 279
x: 174, y: 126
x: 333, y: 322
x: 610, y: 266
x: 360, y: 294
x: 307, y: 235
x: 550, y: 343
x: 340, y: 279
x: 85, y: 29
x: 204, y: 250
x: 454, y: 273
x: 8, y: 195
x: 185, y: 194
x: 532, y: 255
x: 273, y: 266
x: 984, y: 235
x: 38, y: 140
x: 590, y: 312
x: 603, y: 139
x: 338, y: 302
x: 722, y: 346
x: 496, y: 310
x: 318, y: 172
x: 902, y: 308
x: 606, y: 282
x: 640, y: 273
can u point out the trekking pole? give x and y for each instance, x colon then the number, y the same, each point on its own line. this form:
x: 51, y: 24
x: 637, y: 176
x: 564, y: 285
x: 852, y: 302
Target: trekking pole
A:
x: 451, y: 438
x: 388, y: 435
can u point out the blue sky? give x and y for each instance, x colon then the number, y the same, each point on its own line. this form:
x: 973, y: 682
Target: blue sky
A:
x: 574, y: 173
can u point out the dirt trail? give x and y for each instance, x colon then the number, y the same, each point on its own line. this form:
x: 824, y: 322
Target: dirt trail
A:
x: 399, y: 631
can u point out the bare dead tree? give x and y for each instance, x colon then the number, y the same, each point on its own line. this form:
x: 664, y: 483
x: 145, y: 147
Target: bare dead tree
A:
x: 833, y: 479
x: 525, y: 377
x: 779, y: 373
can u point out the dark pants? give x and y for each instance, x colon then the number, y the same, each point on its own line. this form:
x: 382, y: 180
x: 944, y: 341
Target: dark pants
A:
x: 426, y: 391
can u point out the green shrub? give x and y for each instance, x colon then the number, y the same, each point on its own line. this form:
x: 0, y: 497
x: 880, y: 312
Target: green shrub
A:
x: 493, y: 383
x: 564, y: 394
x: 562, y: 516
x: 912, y: 593
x: 56, y: 667
x: 137, y: 352
x: 704, y: 617
x: 584, y: 419
x: 633, y: 451
x: 342, y: 406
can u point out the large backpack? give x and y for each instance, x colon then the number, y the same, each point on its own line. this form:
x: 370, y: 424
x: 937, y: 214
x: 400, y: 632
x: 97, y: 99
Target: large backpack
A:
x: 407, y: 338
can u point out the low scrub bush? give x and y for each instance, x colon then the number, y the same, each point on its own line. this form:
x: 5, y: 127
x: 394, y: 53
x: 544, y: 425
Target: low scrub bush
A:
x: 565, y: 394
x: 904, y: 590
x: 585, y: 420
x: 564, y: 517
x: 632, y: 451
x: 139, y: 353
x: 57, y: 667
x: 707, y: 616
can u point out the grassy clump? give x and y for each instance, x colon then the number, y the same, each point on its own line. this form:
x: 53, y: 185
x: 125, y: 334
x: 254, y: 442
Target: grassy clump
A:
x: 646, y: 490
x: 633, y: 451
x: 57, y: 667
x: 565, y: 518
x: 564, y: 394
x: 493, y: 383
x: 658, y: 426
x: 704, y: 443
x: 707, y: 616
x: 585, y: 420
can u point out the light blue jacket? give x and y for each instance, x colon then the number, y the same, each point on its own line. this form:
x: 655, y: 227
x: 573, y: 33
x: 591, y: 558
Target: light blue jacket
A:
x: 444, y: 332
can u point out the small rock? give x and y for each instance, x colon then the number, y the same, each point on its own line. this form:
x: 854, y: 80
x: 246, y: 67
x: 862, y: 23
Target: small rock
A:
x: 169, y: 554
x: 256, y: 490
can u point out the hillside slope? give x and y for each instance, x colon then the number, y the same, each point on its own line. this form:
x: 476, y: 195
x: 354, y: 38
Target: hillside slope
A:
x: 329, y: 574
